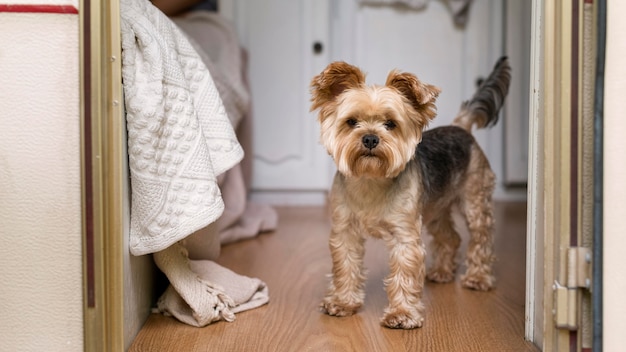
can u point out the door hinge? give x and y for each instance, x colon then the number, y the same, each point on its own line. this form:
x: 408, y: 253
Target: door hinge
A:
x: 567, y: 295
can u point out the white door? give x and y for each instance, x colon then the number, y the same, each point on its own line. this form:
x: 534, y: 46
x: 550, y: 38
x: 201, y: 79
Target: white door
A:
x: 290, y: 166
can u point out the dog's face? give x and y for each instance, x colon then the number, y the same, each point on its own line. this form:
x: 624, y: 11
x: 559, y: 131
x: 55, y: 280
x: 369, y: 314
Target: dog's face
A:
x: 371, y: 131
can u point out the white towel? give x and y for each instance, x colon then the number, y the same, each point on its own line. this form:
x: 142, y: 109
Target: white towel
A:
x: 179, y: 137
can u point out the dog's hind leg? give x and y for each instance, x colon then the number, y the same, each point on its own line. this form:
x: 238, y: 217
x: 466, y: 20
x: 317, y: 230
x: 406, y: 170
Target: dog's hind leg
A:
x: 477, y: 206
x: 445, y: 244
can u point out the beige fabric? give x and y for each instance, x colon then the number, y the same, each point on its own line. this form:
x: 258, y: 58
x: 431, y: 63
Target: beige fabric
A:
x: 202, y: 292
x: 215, y: 40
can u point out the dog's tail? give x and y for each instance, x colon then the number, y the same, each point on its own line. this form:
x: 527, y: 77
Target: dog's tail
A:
x: 482, y: 110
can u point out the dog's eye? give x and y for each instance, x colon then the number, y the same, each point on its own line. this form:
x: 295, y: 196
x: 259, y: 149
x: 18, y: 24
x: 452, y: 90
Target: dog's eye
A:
x: 351, y: 122
x: 390, y: 125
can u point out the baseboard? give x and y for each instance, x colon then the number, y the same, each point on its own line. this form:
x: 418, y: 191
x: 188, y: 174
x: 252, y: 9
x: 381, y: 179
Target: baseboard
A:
x: 510, y: 194
x: 305, y: 198
x: 293, y: 198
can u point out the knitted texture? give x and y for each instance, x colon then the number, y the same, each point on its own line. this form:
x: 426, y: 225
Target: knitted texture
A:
x: 179, y: 136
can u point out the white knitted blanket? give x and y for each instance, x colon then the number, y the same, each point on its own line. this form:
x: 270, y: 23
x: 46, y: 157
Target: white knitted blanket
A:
x: 179, y: 137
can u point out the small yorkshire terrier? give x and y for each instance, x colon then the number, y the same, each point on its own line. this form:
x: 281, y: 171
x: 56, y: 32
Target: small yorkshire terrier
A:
x: 394, y: 178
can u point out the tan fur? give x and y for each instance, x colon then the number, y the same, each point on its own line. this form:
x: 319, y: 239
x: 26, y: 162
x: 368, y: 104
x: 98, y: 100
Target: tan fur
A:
x: 371, y: 132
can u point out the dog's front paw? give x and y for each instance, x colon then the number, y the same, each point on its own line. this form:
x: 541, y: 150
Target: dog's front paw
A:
x: 402, y: 319
x: 440, y: 275
x: 483, y: 282
x: 334, y: 308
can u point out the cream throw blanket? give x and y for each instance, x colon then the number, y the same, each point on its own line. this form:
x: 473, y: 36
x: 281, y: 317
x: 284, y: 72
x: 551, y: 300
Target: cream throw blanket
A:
x: 179, y: 140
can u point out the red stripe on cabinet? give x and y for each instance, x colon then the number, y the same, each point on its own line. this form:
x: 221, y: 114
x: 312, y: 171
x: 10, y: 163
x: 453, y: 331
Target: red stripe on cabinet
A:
x: 39, y: 8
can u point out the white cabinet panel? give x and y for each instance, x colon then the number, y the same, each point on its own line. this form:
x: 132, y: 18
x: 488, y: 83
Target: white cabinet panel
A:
x: 279, y: 36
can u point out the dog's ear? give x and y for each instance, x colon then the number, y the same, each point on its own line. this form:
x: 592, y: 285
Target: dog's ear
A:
x: 420, y: 95
x: 336, y: 77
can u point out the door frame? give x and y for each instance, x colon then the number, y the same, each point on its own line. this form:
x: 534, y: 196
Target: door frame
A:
x: 102, y: 174
x: 555, y: 208
x: 103, y: 162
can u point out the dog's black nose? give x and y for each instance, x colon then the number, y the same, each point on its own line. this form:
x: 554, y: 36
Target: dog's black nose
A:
x: 370, y: 141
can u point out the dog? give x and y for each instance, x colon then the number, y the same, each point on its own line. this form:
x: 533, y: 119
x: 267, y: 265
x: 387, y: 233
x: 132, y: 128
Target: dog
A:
x: 393, y: 178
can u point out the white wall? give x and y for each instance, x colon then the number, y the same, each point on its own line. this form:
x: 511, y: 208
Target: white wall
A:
x: 614, y: 275
x: 73, y: 3
x: 40, y: 208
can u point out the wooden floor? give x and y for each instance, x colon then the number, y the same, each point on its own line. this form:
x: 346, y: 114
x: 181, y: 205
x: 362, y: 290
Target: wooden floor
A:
x: 294, y: 261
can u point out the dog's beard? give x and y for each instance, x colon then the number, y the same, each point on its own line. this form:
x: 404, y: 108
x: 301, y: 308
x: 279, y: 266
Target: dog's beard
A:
x: 380, y: 162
